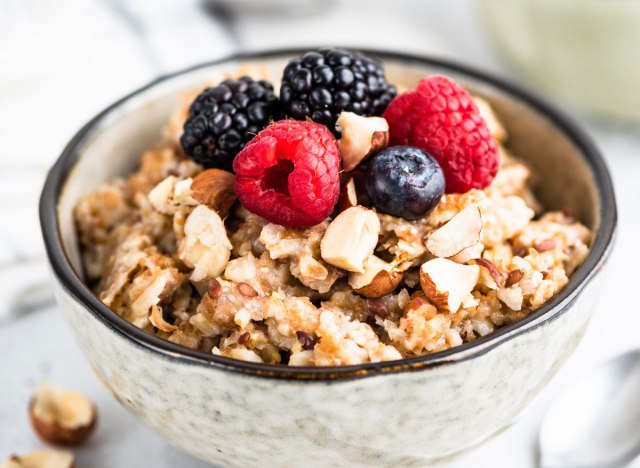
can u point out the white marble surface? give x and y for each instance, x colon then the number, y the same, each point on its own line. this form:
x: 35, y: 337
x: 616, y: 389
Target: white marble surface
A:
x: 47, y: 92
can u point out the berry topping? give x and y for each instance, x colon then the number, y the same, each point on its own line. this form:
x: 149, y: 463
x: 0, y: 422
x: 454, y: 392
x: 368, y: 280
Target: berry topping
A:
x: 224, y: 118
x: 289, y: 173
x: 440, y: 117
x: 319, y: 85
x: 404, y: 181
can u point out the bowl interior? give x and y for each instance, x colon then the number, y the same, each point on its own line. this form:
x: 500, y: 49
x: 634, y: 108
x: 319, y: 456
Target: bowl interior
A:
x: 565, y: 176
x: 562, y: 179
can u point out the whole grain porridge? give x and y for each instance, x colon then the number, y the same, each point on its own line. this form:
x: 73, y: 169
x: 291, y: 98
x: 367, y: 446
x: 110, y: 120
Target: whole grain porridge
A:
x: 335, y: 222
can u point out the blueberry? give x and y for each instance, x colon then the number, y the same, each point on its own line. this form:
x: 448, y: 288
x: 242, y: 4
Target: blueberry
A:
x: 404, y: 181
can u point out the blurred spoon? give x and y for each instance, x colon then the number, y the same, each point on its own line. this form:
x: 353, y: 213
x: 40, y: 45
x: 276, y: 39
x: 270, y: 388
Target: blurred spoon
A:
x: 595, y: 422
x: 24, y: 287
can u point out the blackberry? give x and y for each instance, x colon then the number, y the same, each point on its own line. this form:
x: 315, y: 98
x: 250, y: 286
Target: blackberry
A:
x: 321, y: 84
x: 224, y: 118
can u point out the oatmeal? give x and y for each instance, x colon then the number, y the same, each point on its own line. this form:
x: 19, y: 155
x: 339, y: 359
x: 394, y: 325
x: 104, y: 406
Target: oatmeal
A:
x: 245, y: 236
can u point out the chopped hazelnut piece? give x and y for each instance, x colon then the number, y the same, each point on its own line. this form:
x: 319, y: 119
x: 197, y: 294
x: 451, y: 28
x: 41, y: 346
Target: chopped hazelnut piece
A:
x: 377, y: 280
x: 461, y: 232
x: 348, y: 197
x: 205, y: 247
x: 491, y: 268
x: 41, y: 459
x: 446, y: 284
x: 361, y: 137
x: 350, y: 238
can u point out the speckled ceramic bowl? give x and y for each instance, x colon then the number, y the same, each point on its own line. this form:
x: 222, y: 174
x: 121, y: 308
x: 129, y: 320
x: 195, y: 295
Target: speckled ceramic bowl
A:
x: 403, y: 413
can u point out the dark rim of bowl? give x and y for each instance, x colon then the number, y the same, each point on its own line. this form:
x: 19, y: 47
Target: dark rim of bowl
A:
x: 554, y: 308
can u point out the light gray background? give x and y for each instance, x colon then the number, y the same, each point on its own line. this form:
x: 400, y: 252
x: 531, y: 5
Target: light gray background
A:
x: 61, y: 62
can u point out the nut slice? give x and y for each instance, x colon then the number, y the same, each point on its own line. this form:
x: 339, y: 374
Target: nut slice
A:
x: 161, y: 196
x: 361, y: 137
x: 215, y: 188
x: 348, y: 197
x: 470, y: 253
x: 62, y: 417
x: 205, y: 246
x: 461, y: 232
x: 446, y: 284
x: 377, y: 280
x: 490, y: 276
x: 41, y: 459
x: 158, y: 321
x: 351, y: 238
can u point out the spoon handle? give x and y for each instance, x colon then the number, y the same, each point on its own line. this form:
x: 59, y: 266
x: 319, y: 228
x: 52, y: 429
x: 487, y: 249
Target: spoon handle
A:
x: 25, y: 287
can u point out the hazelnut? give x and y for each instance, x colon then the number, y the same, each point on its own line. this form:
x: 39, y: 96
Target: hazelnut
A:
x: 377, y: 280
x: 361, y: 137
x: 348, y: 197
x: 461, y: 232
x: 446, y: 284
x: 41, y: 459
x: 62, y: 417
x: 171, y: 194
x: 161, y: 196
x: 215, y: 188
x: 512, y: 297
x: 350, y: 238
x: 495, y: 275
x: 205, y: 246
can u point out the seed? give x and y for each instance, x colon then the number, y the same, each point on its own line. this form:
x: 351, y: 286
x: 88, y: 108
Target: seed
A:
x: 214, y: 289
x: 514, y: 277
x: 307, y: 339
x: 519, y: 252
x: 247, y: 290
x: 548, y: 244
x: 378, y: 307
x: 244, y: 338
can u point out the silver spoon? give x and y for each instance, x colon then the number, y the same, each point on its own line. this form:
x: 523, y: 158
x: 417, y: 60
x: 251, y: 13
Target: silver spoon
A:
x: 595, y: 422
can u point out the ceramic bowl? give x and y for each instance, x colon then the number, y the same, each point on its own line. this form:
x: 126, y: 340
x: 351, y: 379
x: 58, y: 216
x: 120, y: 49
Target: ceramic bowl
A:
x: 403, y: 413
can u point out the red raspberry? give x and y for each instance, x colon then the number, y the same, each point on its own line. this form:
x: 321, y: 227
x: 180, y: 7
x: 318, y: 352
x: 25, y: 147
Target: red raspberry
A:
x: 440, y: 117
x: 289, y: 173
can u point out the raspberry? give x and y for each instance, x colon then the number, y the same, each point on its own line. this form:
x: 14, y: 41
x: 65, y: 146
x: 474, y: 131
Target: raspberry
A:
x: 289, y: 173
x: 440, y: 117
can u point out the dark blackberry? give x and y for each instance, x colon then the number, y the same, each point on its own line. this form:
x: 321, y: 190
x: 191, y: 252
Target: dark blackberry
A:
x: 224, y: 118
x: 321, y: 84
